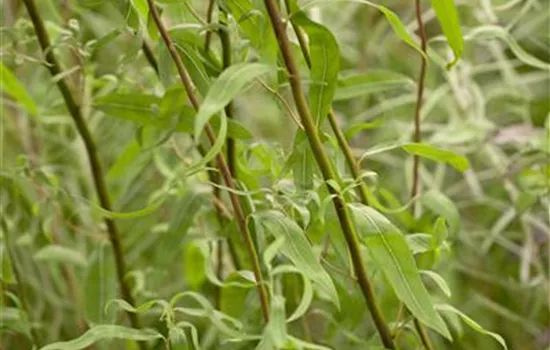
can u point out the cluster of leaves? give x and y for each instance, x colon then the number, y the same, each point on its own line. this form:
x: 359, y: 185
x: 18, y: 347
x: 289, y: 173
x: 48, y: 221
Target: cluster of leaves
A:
x: 477, y: 237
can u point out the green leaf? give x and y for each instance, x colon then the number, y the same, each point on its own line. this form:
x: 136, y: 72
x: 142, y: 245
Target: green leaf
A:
x: 11, y: 86
x: 6, y: 270
x: 171, y: 112
x: 302, y: 162
x: 445, y: 11
x: 389, y: 250
x: 438, y: 280
x: 194, y: 266
x: 257, y: 28
x: 101, y: 332
x: 443, y: 206
x: 60, y: 254
x: 325, y: 64
x: 457, y: 161
x: 491, y: 32
x: 394, y: 21
x: 362, y: 84
x: 225, y: 88
x: 297, y: 248
x: 473, y: 324
x: 276, y: 328
x: 307, y: 296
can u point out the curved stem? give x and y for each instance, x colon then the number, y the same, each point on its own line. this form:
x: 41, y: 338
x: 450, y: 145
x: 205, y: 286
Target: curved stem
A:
x: 328, y: 172
x: 419, y: 96
x: 226, y: 61
x: 353, y: 166
x: 91, y: 150
x: 209, y: 13
x: 422, y: 332
x: 150, y: 56
x: 226, y: 173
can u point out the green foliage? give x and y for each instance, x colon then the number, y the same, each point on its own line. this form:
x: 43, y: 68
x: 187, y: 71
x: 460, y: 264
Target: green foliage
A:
x: 467, y: 257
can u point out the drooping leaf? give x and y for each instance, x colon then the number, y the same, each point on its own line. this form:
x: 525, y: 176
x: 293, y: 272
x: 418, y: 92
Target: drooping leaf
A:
x: 298, y: 250
x: 445, y: 11
x: 302, y: 162
x: 12, y: 87
x: 473, y: 324
x: 457, y: 161
x: 307, y: 295
x: 101, y: 332
x: 325, y: 64
x: 257, y: 28
x: 394, y: 21
x: 275, y: 333
x: 388, y: 248
x: 492, y: 31
x: 60, y: 254
x: 193, y: 266
x: 232, y: 82
x: 443, y: 206
x: 438, y: 280
x: 6, y: 270
x: 355, y: 85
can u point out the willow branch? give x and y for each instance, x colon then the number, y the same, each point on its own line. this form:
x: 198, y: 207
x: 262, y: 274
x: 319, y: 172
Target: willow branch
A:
x: 224, y: 169
x: 328, y: 172
x: 150, y: 56
x: 419, y: 97
x: 422, y: 332
x: 91, y: 150
x: 223, y: 33
x: 353, y: 166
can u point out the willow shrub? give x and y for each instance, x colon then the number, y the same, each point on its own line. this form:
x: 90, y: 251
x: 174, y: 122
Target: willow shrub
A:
x: 246, y: 174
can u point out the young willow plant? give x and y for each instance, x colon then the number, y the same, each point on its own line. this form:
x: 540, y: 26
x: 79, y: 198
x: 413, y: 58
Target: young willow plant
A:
x: 330, y: 256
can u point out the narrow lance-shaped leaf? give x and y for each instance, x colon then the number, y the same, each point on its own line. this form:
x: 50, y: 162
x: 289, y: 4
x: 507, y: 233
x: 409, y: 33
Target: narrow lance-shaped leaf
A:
x: 325, y: 64
x: 11, y: 86
x: 394, y: 21
x: 390, y: 252
x: 473, y: 324
x: 445, y: 11
x: 457, y: 161
x: 441, y: 205
x: 101, y: 332
x: 56, y: 253
x: 298, y: 250
x: 255, y: 25
x: 229, y: 84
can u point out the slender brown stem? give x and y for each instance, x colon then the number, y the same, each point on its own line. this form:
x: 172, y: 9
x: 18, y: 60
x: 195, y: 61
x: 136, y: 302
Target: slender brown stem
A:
x: 226, y: 61
x: 209, y: 14
x: 150, y: 56
x: 91, y: 150
x: 340, y: 137
x: 226, y: 173
x: 419, y: 97
x: 327, y: 171
x: 422, y: 332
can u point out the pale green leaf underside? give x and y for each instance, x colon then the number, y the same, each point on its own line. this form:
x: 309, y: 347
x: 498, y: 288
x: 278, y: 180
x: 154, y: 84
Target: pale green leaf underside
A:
x: 473, y: 324
x: 389, y: 250
x: 232, y: 82
x: 11, y: 86
x: 101, y: 332
x: 447, y: 15
x: 298, y: 250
